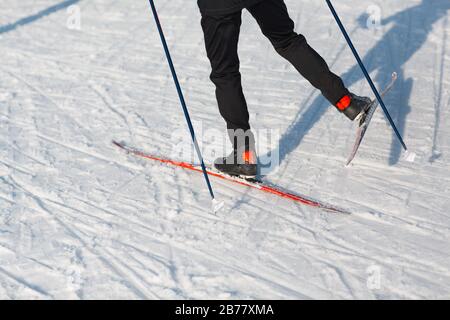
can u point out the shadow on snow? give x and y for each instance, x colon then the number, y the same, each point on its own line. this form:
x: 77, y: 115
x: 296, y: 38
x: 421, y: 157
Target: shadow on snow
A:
x: 41, y: 14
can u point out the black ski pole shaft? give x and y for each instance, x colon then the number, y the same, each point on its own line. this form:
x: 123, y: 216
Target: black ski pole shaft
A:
x: 180, y: 95
x: 366, y: 74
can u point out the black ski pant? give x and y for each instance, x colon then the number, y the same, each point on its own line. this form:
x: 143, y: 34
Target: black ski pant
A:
x: 221, y: 39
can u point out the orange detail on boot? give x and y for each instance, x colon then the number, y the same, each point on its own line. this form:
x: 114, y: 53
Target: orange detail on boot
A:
x: 249, y: 157
x: 344, y: 103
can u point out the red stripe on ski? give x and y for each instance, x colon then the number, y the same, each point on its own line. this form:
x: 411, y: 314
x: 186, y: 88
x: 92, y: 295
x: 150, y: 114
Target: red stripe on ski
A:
x: 255, y: 185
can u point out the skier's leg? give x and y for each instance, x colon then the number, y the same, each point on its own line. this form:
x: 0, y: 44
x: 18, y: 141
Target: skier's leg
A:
x: 221, y: 39
x: 275, y: 23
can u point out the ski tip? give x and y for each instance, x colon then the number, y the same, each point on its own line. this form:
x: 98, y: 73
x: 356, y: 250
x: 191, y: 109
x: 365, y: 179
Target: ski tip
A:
x: 349, y: 161
x: 118, y: 144
x: 340, y: 211
x: 217, y: 205
x: 334, y: 209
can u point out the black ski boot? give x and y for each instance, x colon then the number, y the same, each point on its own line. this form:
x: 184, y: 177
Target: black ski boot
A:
x: 242, y: 162
x: 353, y: 106
x: 240, y: 165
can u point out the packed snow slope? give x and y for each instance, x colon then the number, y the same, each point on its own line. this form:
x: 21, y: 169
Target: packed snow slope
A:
x: 79, y: 219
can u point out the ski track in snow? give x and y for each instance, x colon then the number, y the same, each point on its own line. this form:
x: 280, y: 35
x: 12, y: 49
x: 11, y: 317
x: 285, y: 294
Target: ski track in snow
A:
x: 81, y: 220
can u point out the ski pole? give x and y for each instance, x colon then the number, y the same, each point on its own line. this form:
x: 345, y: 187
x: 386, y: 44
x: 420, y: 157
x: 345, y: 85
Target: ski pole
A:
x: 366, y: 74
x: 216, y: 206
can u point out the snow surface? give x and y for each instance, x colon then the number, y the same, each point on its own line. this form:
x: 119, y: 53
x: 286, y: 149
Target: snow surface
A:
x: 81, y: 220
